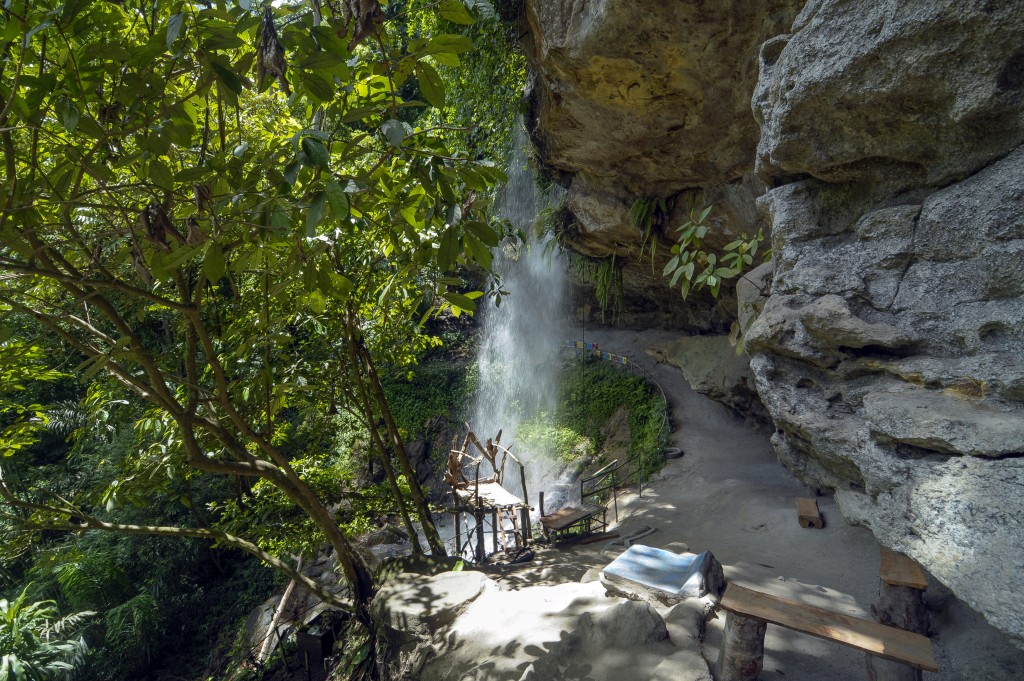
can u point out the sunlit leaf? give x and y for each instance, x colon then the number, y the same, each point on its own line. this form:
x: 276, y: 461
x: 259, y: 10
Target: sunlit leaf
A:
x: 394, y: 132
x: 431, y: 84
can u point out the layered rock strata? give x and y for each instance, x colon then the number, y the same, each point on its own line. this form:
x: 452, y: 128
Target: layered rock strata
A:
x: 650, y: 100
x: 889, y: 353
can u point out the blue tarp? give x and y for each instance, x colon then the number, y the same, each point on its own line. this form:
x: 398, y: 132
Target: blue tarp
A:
x: 679, y: 575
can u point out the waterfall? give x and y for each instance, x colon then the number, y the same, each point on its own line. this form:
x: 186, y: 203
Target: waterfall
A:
x: 518, y: 359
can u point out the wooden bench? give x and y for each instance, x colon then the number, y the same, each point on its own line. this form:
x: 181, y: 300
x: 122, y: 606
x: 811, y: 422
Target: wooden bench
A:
x: 749, y: 612
x: 565, y: 519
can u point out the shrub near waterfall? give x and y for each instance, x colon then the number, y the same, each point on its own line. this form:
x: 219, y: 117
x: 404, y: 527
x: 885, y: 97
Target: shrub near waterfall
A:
x: 693, y: 267
x: 590, y: 393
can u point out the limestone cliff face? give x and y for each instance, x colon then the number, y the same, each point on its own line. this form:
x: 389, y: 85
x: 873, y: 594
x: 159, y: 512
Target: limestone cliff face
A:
x: 890, y: 353
x: 883, y: 144
x: 650, y: 99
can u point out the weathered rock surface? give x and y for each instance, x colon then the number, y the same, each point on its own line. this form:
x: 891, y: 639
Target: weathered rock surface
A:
x: 889, y: 169
x: 712, y: 367
x: 463, y: 626
x: 646, y: 99
x: 889, y: 351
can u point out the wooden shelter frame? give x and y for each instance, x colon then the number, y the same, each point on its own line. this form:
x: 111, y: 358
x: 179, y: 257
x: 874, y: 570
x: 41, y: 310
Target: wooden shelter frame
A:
x: 486, y: 496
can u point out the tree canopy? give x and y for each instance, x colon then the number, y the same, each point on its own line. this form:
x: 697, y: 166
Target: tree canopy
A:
x: 219, y: 218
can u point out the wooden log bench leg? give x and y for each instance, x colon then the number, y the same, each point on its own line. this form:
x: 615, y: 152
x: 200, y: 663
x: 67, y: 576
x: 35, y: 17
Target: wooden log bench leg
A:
x: 741, y: 657
x: 900, y: 604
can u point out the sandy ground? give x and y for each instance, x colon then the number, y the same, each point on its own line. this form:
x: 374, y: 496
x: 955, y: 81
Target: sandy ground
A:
x: 728, y: 494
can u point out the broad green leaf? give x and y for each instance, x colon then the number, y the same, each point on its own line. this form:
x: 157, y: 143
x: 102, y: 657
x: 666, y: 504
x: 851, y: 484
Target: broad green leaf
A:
x: 71, y: 10
x: 455, y: 12
x: 463, y: 302
x: 430, y: 84
x: 315, y: 213
x: 160, y: 174
x: 480, y: 253
x: 448, y: 251
x: 68, y: 114
x: 226, y: 75
x: 174, y: 26
x: 214, y: 265
x: 338, y: 199
x: 445, y: 42
x: 316, y: 301
x: 394, y: 132
x: 320, y: 87
x: 448, y: 59
x: 218, y: 36
x: 483, y: 232
x: 317, y: 152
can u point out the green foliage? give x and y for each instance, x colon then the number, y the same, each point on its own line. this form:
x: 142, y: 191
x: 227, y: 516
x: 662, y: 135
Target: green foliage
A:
x: 606, y: 276
x: 34, y: 643
x: 647, y: 214
x: 693, y: 267
x: 590, y: 393
x: 234, y: 255
x: 21, y: 365
x: 553, y: 441
x: 432, y: 389
x: 483, y: 87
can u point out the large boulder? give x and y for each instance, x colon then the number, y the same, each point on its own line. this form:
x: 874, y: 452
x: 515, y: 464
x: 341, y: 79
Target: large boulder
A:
x: 882, y: 144
x: 463, y: 625
x: 889, y: 351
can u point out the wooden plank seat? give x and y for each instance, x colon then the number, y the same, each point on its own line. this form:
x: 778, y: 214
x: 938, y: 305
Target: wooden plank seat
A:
x: 741, y: 656
x: 585, y: 515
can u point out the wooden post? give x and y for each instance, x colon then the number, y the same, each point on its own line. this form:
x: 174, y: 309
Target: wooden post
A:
x: 741, y: 657
x: 458, y: 534
x: 522, y: 478
x: 899, y: 605
x: 494, y: 529
x: 524, y: 519
x: 481, y: 550
x: 541, y: 505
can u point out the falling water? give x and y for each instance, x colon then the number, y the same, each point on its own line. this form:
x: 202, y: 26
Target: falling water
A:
x: 518, y: 359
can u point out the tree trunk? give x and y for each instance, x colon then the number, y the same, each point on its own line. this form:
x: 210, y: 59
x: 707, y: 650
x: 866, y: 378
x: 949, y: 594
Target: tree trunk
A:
x: 419, y: 500
x: 902, y: 607
x: 366, y: 406
x: 742, y: 655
